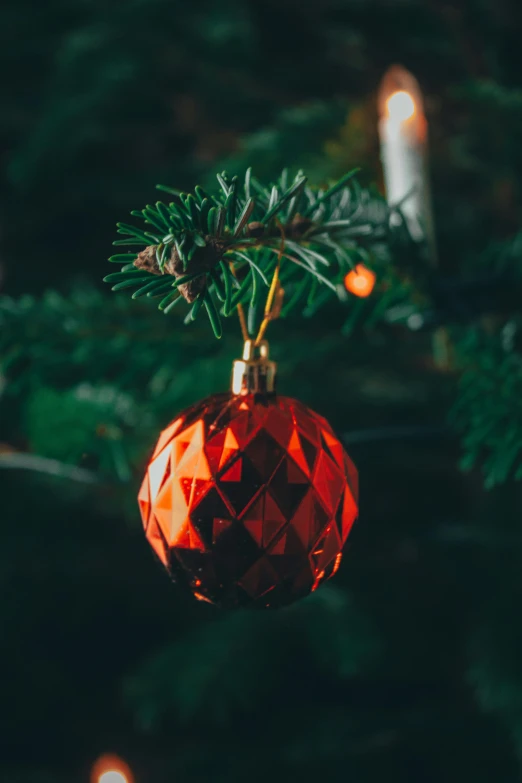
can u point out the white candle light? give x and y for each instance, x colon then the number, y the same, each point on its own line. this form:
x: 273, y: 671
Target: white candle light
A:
x: 113, y: 776
x: 403, y: 136
x: 111, y: 769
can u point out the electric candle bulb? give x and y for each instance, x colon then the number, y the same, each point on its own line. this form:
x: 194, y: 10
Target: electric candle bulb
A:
x: 403, y: 135
x: 400, y: 106
x: 112, y: 776
x: 111, y: 769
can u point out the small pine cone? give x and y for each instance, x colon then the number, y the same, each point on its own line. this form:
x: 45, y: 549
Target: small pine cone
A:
x: 192, y: 289
x: 147, y: 261
x: 205, y: 259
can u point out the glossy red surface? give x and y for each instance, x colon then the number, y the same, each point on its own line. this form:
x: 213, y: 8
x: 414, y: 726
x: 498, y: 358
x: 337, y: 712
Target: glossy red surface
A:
x: 249, y: 500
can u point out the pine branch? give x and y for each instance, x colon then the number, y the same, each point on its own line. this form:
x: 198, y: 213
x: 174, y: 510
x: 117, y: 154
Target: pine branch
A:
x: 200, y: 247
x: 487, y: 411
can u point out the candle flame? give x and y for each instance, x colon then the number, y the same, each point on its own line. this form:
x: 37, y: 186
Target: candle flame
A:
x: 400, y: 106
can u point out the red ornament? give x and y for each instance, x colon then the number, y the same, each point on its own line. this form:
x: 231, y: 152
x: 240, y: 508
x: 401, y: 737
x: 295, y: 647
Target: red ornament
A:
x: 249, y: 499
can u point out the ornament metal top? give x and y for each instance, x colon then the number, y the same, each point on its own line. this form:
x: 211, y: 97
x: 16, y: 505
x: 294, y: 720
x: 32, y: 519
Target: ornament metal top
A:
x: 249, y: 497
x: 254, y: 373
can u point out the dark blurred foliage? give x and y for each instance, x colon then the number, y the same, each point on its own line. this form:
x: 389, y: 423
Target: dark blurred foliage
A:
x: 407, y: 666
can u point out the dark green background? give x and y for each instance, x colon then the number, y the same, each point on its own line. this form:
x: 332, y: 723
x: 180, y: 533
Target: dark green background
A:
x: 408, y: 666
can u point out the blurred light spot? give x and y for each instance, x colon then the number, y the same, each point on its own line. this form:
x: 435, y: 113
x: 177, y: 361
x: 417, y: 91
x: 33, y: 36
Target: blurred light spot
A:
x: 400, y: 106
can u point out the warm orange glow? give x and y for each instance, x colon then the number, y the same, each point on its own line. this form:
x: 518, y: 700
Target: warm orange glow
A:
x: 319, y: 578
x: 400, y: 106
x: 360, y: 281
x: 202, y: 598
x: 337, y: 563
x: 111, y: 769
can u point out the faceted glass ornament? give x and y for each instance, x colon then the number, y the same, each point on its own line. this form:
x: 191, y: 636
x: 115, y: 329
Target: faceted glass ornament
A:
x: 248, y: 500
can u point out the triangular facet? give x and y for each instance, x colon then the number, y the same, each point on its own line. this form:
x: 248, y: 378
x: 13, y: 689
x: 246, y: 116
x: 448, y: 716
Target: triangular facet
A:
x: 295, y: 450
x: 302, y: 518
x: 320, y: 520
x: 214, y: 454
x: 334, y: 446
x: 259, y: 579
x: 264, y: 454
x: 183, y: 538
x: 240, y: 493
x: 245, y: 425
x: 279, y: 546
x: 307, y: 425
x: 211, y: 507
x: 336, y: 481
x: 194, y: 490
x: 230, y: 440
x: 287, y: 496
x: 233, y: 473
x: 256, y: 510
x: 272, y: 510
x: 352, y: 476
x: 321, y: 482
x: 293, y: 543
x: 230, y: 447
x: 156, y: 540
x: 270, y: 530
x: 348, y: 512
x: 162, y: 508
x: 201, y: 469
x: 144, y: 500
x: 157, y: 471
x: 279, y: 426
x: 255, y: 528
x: 294, y: 474
x: 178, y: 450
x: 193, y: 435
x: 325, y: 446
x: 166, y: 436
x: 195, y: 540
x: 309, y: 451
x: 171, y: 511
x: 193, y: 463
x: 218, y: 527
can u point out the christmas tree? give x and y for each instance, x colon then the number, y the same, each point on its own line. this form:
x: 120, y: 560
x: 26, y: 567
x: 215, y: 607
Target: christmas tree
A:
x: 406, y: 663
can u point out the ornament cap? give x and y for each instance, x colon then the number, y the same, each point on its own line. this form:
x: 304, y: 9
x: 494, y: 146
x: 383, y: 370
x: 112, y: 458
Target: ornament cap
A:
x: 254, y: 373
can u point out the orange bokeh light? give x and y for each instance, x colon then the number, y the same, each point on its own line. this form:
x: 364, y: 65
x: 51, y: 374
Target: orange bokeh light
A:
x: 111, y: 769
x: 400, y: 106
x: 360, y: 281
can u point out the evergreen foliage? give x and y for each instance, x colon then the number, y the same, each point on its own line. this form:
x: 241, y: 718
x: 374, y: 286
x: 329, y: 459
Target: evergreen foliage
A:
x: 226, y: 248
x: 407, y: 666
